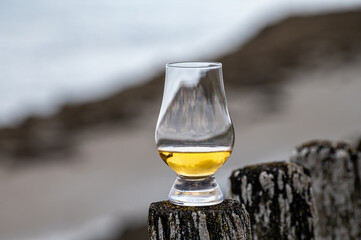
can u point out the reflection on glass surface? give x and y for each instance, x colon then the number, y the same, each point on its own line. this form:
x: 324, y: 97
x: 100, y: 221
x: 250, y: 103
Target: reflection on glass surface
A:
x: 194, y: 133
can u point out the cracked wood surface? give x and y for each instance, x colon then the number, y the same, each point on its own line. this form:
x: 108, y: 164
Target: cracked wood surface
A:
x: 228, y: 220
x: 335, y: 169
x: 278, y: 197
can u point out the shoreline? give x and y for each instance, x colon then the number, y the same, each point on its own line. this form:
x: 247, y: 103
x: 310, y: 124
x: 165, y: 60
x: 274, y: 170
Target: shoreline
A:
x: 85, y: 162
x: 262, y: 64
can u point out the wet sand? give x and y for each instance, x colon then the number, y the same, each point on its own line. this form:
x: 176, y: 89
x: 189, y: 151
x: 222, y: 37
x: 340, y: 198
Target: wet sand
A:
x: 93, y: 168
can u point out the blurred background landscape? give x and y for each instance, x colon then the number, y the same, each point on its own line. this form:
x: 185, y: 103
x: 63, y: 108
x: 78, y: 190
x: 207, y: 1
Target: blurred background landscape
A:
x: 81, y: 84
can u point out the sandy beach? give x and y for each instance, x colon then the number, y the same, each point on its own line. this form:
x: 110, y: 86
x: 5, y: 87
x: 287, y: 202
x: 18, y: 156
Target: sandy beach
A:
x: 92, y: 169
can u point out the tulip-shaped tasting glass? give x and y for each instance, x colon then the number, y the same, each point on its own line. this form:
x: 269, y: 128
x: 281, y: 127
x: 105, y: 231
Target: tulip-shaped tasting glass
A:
x: 194, y: 133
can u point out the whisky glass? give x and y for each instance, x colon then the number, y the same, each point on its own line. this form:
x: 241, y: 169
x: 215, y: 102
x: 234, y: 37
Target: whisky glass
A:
x: 194, y: 132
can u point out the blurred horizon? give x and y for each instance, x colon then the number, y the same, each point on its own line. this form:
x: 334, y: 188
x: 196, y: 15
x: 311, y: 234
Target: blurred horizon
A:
x: 89, y: 169
x: 77, y: 51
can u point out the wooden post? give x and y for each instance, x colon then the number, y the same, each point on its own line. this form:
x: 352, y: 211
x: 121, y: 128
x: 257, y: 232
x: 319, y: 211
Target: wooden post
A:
x: 228, y: 220
x: 278, y: 197
x: 335, y: 169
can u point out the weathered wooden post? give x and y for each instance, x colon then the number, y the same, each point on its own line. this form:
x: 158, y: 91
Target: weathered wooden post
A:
x: 278, y: 197
x: 228, y: 220
x: 335, y: 169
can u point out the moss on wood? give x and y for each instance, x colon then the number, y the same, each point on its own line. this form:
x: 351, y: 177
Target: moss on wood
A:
x: 228, y: 220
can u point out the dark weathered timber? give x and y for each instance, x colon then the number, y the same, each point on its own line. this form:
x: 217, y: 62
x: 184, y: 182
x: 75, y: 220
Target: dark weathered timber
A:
x: 228, y: 220
x: 278, y: 198
x: 335, y: 169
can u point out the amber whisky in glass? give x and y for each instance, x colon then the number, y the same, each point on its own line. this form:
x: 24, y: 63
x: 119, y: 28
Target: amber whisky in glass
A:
x: 194, y: 133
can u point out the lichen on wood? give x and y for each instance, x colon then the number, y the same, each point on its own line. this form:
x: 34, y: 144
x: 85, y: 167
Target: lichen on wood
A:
x: 335, y: 169
x: 278, y: 197
x: 228, y: 220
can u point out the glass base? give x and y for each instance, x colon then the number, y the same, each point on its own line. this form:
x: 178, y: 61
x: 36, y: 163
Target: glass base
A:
x: 195, y: 192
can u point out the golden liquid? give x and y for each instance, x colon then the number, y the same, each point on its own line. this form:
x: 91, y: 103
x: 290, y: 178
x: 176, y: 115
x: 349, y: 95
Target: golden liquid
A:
x: 195, y: 162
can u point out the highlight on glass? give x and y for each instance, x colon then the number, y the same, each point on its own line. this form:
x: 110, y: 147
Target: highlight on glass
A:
x: 194, y: 133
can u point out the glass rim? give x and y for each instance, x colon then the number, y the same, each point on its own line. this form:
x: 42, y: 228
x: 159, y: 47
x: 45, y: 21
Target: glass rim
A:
x: 194, y: 65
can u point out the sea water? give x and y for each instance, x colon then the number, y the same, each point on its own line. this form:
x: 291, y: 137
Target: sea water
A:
x: 59, y: 52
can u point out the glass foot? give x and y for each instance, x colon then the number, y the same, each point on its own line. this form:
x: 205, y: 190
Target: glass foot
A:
x: 195, y: 192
